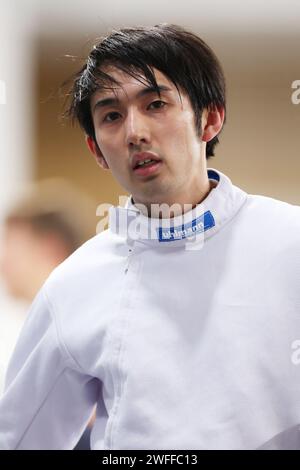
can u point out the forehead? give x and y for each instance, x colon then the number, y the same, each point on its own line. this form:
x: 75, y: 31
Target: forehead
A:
x: 128, y: 85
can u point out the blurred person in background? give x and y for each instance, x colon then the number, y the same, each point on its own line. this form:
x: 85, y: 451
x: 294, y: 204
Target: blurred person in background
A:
x: 50, y: 221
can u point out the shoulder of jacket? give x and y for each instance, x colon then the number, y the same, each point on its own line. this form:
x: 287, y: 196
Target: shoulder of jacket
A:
x: 78, y: 269
x: 274, y: 210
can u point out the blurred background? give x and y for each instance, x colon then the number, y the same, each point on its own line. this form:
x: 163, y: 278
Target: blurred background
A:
x: 44, y: 42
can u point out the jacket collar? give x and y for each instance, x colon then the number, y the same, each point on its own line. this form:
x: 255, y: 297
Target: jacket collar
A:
x: 190, y: 229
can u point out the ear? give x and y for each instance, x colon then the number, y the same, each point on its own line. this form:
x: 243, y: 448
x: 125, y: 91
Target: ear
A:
x: 95, y: 150
x: 212, y: 122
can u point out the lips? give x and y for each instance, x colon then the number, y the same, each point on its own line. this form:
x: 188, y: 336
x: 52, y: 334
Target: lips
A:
x: 142, y: 156
x: 149, y: 169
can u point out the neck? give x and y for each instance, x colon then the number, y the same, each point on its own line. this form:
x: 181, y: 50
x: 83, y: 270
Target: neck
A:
x: 173, y: 207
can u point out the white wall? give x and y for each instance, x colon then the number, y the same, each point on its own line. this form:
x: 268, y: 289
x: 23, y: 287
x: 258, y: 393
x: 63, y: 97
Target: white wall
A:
x: 16, y: 142
x: 16, y: 113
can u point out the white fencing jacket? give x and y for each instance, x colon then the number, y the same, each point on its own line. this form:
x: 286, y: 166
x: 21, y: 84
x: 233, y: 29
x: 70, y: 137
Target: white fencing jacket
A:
x: 185, y: 339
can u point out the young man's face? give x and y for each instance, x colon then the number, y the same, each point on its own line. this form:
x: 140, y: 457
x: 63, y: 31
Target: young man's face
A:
x: 135, y: 124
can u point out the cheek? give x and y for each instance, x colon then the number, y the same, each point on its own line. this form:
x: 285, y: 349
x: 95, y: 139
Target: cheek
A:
x: 100, y: 142
x: 186, y: 137
x: 179, y: 138
x: 181, y: 127
x: 109, y: 148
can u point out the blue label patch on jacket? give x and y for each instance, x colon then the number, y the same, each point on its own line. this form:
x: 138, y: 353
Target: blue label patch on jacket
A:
x: 198, y: 225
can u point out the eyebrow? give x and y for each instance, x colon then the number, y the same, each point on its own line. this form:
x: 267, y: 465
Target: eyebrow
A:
x: 145, y: 91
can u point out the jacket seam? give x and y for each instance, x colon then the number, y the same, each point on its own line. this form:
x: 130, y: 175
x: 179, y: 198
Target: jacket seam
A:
x: 62, y: 345
x: 38, y: 410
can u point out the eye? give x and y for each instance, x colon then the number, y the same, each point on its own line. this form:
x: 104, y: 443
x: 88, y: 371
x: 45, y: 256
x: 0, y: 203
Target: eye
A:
x: 110, y: 117
x: 157, y: 104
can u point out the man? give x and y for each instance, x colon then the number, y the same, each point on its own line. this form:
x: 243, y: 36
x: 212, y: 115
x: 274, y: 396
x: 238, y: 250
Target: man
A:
x: 180, y: 320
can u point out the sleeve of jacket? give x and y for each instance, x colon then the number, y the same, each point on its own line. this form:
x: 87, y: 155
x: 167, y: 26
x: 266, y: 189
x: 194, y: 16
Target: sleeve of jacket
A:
x: 47, y: 399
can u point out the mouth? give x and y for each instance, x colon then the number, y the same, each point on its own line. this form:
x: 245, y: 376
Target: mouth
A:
x: 147, y: 168
x: 146, y: 163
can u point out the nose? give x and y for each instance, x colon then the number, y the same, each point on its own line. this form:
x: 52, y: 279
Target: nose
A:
x: 137, y: 129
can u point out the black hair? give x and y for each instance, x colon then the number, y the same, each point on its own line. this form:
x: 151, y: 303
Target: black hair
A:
x: 184, y: 58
